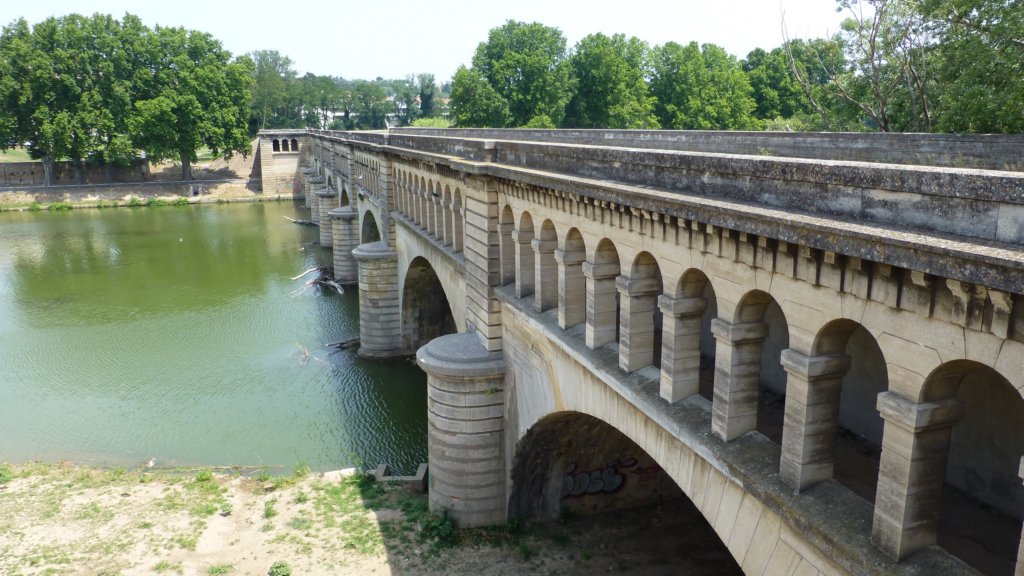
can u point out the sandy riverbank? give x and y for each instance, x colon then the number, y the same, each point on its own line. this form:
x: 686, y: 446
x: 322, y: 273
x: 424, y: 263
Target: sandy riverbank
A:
x: 66, y: 519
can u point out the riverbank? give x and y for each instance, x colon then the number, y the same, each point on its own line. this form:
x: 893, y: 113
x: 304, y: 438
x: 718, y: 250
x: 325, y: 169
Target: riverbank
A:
x: 120, y: 195
x: 67, y: 519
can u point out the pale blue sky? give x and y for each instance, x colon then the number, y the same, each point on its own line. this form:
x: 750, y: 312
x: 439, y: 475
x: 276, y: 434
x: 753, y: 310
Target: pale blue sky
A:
x: 394, y: 38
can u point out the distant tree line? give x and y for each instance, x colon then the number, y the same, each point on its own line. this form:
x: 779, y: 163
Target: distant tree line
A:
x: 895, y: 65
x: 101, y: 90
x: 282, y: 99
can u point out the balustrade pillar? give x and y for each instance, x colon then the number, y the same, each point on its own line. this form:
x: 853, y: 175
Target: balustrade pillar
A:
x: 602, y: 313
x: 345, y: 229
x: 915, y: 445
x: 737, y: 375
x: 465, y: 402
x: 813, y: 386
x: 572, y: 289
x: 524, y: 263
x: 380, y: 313
x: 637, y: 303
x: 680, y: 346
x: 545, y: 292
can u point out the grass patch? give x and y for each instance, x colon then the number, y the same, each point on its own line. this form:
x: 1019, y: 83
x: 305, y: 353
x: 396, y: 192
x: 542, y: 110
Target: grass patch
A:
x: 280, y: 568
x: 134, y: 202
x: 179, y: 201
x: 164, y: 566
x: 156, y: 202
x: 15, y: 155
x: 59, y: 206
x: 188, y: 541
x: 220, y: 570
x: 6, y: 473
x: 268, y: 508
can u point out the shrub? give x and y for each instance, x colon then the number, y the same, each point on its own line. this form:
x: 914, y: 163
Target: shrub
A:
x: 56, y: 206
x: 133, y: 202
x: 280, y: 568
x: 6, y: 474
x: 440, y: 528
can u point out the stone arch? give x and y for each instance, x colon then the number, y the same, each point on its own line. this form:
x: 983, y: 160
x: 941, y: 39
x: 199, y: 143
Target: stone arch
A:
x: 601, y: 270
x: 574, y: 464
x: 330, y: 181
x: 276, y: 145
x: 432, y: 212
x: 640, y: 320
x: 345, y: 200
x: 545, y: 294
x: 688, y: 347
x: 284, y: 145
x: 369, y: 231
x: 522, y: 236
x: 750, y: 383
x: 832, y: 427
x: 572, y: 293
x: 962, y: 488
x: 295, y: 145
x: 426, y: 308
x: 506, y: 247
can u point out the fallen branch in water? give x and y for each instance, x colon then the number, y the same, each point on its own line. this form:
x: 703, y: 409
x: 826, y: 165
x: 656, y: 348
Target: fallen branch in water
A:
x: 326, y: 278
x: 302, y: 222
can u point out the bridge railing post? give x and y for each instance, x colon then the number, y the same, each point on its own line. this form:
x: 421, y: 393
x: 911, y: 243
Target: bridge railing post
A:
x: 737, y: 375
x: 637, y: 303
x: 524, y: 263
x: 809, y: 431
x: 545, y: 292
x: 915, y: 444
x: 572, y: 305
x: 602, y: 321
x: 680, y: 346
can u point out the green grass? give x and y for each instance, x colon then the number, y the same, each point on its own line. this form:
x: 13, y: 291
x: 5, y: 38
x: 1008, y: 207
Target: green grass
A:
x: 268, y: 509
x: 220, y: 570
x: 57, y: 206
x: 15, y: 155
x: 6, y: 473
x: 280, y: 568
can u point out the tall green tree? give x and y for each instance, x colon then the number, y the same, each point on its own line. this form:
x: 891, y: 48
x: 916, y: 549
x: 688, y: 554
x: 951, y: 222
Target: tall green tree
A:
x: 428, y: 89
x: 272, y: 76
x: 475, y: 103
x: 526, y: 64
x: 701, y: 88
x: 609, y: 76
x: 775, y: 90
x: 404, y: 93
x: 200, y: 97
x: 979, y: 64
x: 371, y: 106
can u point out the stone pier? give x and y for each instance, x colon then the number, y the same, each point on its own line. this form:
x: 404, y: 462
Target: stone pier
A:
x: 465, y: 400
x: 380, y: 314
x: 345, y: 231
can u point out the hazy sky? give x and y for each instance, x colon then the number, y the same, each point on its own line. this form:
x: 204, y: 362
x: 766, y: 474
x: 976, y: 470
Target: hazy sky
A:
x: 394, y: 38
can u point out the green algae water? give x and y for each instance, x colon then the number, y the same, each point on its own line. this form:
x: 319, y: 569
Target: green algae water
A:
x: 176, y: 334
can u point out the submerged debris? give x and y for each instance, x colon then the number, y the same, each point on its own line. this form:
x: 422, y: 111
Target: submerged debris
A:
x: 325, y: 278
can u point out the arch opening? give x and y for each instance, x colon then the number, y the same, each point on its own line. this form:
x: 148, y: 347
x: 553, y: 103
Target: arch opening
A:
x: 426, y: 313
x: 276, y: 145
x: 574, y: 466
x: 858, y: 426
x: 640, y: 317
x: 545, y: 295
x: 507, y: 254
x: 602, y: 296
x: 369, y: 231
x: 754, y: 387
x: 295, y: 145
x: 284, y: 145
x: 982, y: 497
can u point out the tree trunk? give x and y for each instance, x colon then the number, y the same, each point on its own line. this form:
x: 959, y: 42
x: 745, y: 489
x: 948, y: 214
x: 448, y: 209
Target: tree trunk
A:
x: 108, y: 168
x: 47, y: 170
x: 186, y: 167
x: 79, y: 171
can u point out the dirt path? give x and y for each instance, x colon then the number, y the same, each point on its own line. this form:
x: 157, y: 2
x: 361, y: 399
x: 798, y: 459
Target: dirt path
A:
x: 69, y: 520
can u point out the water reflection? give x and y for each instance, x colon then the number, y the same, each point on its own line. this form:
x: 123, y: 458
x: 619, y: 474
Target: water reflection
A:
x: 170, y: 333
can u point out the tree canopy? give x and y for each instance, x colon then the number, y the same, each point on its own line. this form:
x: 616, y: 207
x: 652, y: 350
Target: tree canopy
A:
x: 101, y: 90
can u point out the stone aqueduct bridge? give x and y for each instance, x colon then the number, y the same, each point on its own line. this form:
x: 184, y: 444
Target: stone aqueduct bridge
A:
x: 819, y: 339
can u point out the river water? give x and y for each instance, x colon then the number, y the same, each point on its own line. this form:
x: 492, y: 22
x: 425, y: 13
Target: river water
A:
x: 173, y: 333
